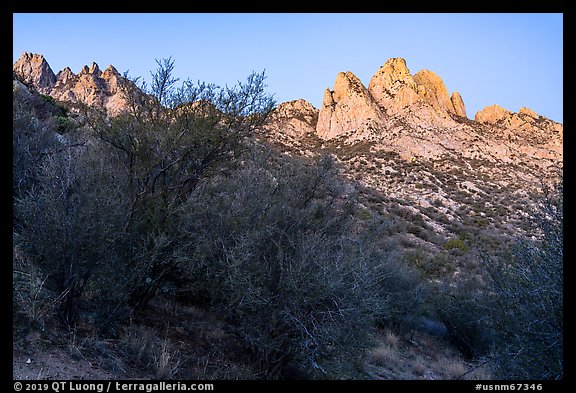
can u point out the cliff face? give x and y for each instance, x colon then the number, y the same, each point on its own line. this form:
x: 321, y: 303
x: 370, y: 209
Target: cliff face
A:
x: 33, y: 69
x: 348, y: 109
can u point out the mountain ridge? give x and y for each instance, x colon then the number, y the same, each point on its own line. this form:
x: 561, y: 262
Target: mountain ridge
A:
x: 411, y: 117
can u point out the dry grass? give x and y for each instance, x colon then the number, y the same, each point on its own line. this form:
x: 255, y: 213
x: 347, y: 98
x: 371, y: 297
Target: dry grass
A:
x: 453, y: 368
x: 384, y: 356
x: 166, y: 361
x: 421, y: 357
x: 147, y: 350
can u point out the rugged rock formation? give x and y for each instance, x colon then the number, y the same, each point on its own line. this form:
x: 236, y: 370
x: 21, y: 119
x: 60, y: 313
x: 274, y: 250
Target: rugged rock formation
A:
x: 34, y: 70
x: 491, y: 114
x: 525, y: 126
x: 395, y: 90
x: 294, y: 118
x: 524, y: 120
x: 393, y: 94
x: 349, y: 108
x: 432, y: 90
x: 393, y: 87
x: 65, y: 78
x: 91, y: 86
x: 404, y: 136
x: 458, y: 104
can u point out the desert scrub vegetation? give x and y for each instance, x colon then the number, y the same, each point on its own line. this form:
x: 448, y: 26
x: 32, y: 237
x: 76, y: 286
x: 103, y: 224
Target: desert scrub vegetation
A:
x: 97, y: 215
x: 175, y: 193
x: 288, y: 264
x: 175, y: 198
x: 515, y: 301
x: 456, y: 243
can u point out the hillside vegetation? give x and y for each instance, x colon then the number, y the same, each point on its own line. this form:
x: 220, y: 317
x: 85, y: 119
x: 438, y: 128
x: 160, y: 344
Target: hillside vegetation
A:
x: 172, y: 241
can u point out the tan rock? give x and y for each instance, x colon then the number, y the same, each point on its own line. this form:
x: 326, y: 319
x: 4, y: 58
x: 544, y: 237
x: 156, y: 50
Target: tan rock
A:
x: 527, y: 111
x: 458, y: 104
x: 393, y: 87
x: 492, y: 114
x: 294, y: 118
x: 94, y: 69
x: 33, y: 69
x: 349, y: 108
x: 65, y: 77
x: 431, y: 88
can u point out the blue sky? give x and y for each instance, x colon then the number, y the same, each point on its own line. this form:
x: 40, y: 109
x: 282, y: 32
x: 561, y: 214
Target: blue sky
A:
x: 512, y: 60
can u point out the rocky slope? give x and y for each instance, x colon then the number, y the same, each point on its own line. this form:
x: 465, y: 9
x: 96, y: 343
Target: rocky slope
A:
x: 407, y: 139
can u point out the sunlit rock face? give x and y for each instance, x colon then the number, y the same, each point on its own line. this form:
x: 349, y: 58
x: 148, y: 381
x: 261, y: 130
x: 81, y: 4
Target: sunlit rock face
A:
x: 34, y: 70
x: 91, y: 86
x: 349, y: 108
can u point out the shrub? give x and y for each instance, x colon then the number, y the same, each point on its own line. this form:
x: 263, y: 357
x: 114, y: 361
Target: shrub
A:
x: 456, y: 244
x: 461, y: 307
x: 101, y: 217
x: 275, y: 249
x: 527, y: 292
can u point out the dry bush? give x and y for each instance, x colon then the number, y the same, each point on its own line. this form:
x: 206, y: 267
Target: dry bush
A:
x: 384, y: 356
x: 147, y: 351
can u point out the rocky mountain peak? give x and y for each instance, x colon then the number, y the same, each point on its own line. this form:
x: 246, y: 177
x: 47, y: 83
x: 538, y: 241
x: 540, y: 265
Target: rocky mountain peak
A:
x: 64, y: 76
x: 491, y: 114
x: 393, y: 86
x: 431, y: 88
x: 294, y: 118
x: 109, y: 72
x: 296, y: 107
x: 529, y: 112
x: 395, y: 89
x: 346, y: 84
x: 95, y: 70
x: 90, y: 86
x: 33, y: 69
x: 348, y: 108
x: 395, y: 72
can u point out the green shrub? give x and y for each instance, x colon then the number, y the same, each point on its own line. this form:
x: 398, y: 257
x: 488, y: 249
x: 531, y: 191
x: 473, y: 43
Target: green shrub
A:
x: 458, y: 244
x: 47, y: 98
x: 63, y: 123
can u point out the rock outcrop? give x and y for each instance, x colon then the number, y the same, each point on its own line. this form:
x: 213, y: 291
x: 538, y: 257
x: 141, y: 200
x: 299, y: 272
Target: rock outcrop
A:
x: 393, y: 93
x: 65, y: 78
x: 91, y: 86
x: 34, y: 70
x: 432, y: 90
x: 393, y: 87
x: 349, y: 108
x: 294, y: 118
x: 395, y: 90
x: 458, y: 104
x: 523, y: 126
x: 492, y: 114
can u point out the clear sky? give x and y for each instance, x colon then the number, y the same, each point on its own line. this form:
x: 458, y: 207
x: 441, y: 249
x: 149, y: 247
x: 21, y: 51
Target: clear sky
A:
x: 512, y: 60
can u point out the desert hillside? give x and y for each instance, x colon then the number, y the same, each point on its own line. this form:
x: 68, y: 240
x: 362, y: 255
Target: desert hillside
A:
x: 201, y: 232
